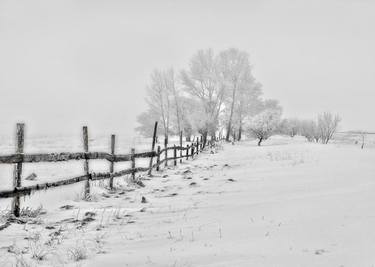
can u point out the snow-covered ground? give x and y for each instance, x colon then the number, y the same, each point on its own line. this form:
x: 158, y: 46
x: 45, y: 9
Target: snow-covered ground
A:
x: 287, y: 203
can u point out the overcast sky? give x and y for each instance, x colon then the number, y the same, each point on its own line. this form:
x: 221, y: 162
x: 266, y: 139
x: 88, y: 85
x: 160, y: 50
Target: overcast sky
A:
x: 66, y: 63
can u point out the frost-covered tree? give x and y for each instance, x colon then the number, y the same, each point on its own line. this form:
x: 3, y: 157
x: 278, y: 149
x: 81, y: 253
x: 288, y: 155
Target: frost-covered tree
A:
x: 290, y: 127
x: 363, y: 135
x: 171, y: 84
x: 264, y: 125
x: 146, y: 121
x: 202, y: 82
x: 271, y: 104
x: 309, y: 129
x: 191, y: 117
x: 327, y: 125
x: 160, y: 99
x: 235, y: 71
x: 248, y: 104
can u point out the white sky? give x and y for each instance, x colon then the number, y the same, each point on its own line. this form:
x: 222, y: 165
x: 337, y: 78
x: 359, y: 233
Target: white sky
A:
x: 68, y: 63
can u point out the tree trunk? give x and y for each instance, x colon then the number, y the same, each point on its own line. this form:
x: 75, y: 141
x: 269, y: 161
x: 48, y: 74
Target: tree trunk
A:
x: 177, y: 110
x: 166, y: 138
x: 260, y: 141
x: 205, y: 137
x: 240, y: 132
x: 229, y: 127
x: 363, y: 142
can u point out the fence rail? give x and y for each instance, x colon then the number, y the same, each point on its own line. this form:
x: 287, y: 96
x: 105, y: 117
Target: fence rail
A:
x: 19, y: 157
x: 56, y: 157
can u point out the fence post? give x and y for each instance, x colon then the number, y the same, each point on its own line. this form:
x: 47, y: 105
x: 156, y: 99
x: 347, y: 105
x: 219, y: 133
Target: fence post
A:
x: 112, y: 164
x: 166, y: 151
x: 187, y: 152
x: 158, y: 159
x: 192, y: 150
x: 181, y: 147
x: 197, y: 145
x: 174, y: 155
x: 132, y: 157
x: 86, y: 163
x: 153, y: 147
x: 18, y: 168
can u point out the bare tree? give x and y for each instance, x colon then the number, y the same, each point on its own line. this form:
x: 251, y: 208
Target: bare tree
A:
x: 327, y: 125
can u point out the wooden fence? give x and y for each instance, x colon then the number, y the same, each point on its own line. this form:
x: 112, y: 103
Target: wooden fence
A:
x: 161, y: 155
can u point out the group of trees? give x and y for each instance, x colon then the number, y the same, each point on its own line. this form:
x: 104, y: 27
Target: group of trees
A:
x: 320, y: 130
x: 269, y: 122
x: 216, y: 94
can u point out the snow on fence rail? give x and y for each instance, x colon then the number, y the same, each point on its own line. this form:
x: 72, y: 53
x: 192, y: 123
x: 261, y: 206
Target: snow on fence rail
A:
x: 20, y: 157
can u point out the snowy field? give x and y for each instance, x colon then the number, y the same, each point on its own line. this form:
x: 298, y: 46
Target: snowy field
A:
x: 287, y: 203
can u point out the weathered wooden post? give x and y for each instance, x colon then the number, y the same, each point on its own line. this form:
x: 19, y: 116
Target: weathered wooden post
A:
x: 132, y: 158
x: 187, y: 152
x: 112, y: 164
x: 181, y: 147
x: 197, y: 144
x: 86, y: 163
x: 158, y: 159
x: 18, y: 168
x: 153, y: 147
x: 201, y: 142
x: 192, y: 150
x: 166, y: 151
x: 174, y: 155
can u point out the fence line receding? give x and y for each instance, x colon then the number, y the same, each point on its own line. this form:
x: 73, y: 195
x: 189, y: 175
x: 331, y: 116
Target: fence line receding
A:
x: 20, y: 157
